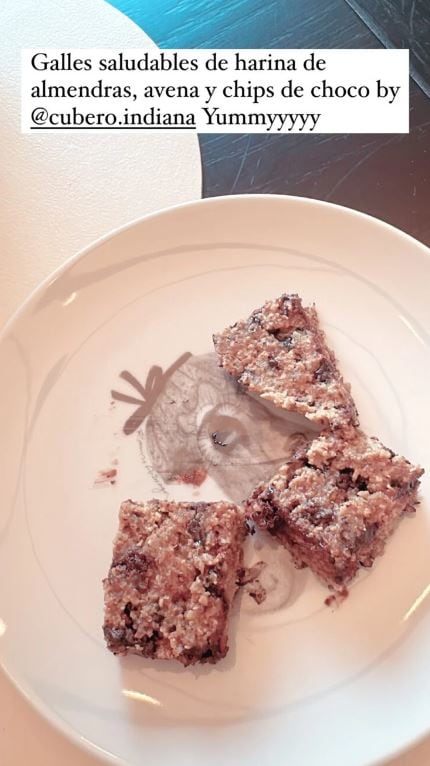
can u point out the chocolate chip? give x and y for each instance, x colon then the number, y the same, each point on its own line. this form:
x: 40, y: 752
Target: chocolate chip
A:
x: 194, y: 526
x: 278, y: 333
x: 361, y: 484
x: 268, y: 512
x: 287, y: 337
x: 195, y: 654
x: 213, y: 652
x: 211, y: 586
x: 114, y: 636
x: 276, y: 525
x: 324, y: 516
x: 255, y: 318
x: 272, y: 362
x: 217, y: 592
x: 195, y: 530
x: 134, y: 561
x: 267, y: 500
x: 286, y: 305
x: 191, y: 655
x: 127, y: 611
x: 148, y: 644
x: 288, y: 341
x: 291, y: 303
x: 404, y: 488
x: 324, y: 373
x: 316, y: 514
x: 344, y: 480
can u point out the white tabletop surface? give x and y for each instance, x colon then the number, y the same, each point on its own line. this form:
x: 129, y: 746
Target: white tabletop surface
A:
x: 59, y: 193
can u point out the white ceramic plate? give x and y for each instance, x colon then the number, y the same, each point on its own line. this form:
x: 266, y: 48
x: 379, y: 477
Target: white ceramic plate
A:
x: 302, y: 684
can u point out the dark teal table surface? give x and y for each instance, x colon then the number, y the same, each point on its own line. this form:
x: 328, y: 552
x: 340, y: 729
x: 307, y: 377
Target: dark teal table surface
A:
x: 385, y: 175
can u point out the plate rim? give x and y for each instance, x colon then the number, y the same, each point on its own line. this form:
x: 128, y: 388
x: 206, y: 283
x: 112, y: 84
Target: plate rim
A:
x: 203, y: 201
x: 53, y: 718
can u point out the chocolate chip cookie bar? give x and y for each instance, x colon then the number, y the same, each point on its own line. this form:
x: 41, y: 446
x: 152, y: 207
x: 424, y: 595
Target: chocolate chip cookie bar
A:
x: 280, y: 354
x: 172, y: 580
x: 335, y: 502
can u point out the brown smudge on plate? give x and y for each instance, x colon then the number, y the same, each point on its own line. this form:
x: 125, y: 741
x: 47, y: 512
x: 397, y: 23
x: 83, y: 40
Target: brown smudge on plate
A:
x: 195, y: 477
x: 106, y: 478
